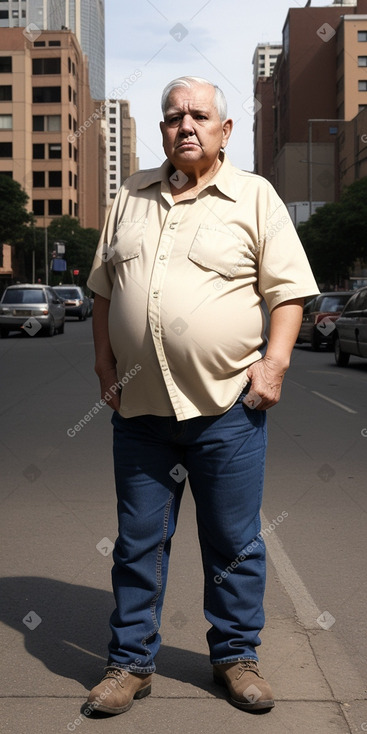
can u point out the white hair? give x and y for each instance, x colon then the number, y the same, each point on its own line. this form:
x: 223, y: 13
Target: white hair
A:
x: 189, y: 81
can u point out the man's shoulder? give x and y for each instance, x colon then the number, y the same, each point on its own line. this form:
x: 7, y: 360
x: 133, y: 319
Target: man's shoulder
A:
x: 142, y: 178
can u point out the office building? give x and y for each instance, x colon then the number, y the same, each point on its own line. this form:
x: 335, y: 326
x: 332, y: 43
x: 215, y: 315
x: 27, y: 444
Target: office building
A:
x: 85, y: 18
x: 51, y: 136
x: 120, y: 145
x: 264, y: 59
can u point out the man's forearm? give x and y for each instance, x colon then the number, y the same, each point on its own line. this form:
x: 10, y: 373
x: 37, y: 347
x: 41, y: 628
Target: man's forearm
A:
x: 105, y: 359
x: 285, y: 322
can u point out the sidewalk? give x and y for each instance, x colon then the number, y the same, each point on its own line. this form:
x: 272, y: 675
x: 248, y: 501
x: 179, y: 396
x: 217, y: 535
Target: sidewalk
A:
x: 47, y: 670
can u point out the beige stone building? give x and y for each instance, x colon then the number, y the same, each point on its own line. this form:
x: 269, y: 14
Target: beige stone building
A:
x: 120, y: 145
x: 51, y: 132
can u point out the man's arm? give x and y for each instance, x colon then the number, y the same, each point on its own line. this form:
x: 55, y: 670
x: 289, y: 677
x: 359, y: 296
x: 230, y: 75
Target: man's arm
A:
x: 105, y: 365
x: 267, y: 374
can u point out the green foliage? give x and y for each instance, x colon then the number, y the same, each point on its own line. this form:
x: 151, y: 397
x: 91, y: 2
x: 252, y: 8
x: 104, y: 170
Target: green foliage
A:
x: 13, y: 213
x: 336, y: 235
x: 80, y: 247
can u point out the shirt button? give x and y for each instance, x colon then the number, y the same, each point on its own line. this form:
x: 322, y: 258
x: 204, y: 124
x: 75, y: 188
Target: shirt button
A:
x: 162, y: 257
x: 156, y: 329
x: 173, y: 225
x: 155, y: 294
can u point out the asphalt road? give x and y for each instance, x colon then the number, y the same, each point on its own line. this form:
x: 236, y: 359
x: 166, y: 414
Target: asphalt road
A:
x: 58, y: 525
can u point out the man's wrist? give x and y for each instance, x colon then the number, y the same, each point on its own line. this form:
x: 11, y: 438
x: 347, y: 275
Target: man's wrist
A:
x: 102, y: 368
x: 277, y: 361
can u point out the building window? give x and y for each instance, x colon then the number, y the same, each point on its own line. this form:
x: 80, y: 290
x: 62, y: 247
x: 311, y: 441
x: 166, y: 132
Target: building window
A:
x: 4, y: 14
x: 70, y: 150
x: 38, y: 44
x: 73, y: 68
x: 112, y: 130
x: 75, y: 181
x: 46, y: 66
x: 38, y: 207
x: 112, y: 168
x: 5, y: 64
x: 362, y: 85
x: 6, y: 122
x: 113, y: 186
x: 38, y: 150
x: 70, y: 208
x: 46, y: 123
x: 53, y: 123
x: 6, y: 93
x: 112, y: 140
x: 69, y: 64
x: 70, y: 178
x: 112, y: 110
x: 75, y: 155
x: 54, y: 150
x: 112, y: 147
x: 54, y: 43
x: 45, y: 95
x: 70, y: 92
x: 6, y: 150
x: 54, y: 179
x: 55, y: 207
x: 112, y: 157
x: 38, y: 179
x: 112, y: 177
x: 362, y: 60
x: 112, y: 120
x: 75, y: 209
x: 74, y: 98
x: 362, y: 107
x: 362, y: 35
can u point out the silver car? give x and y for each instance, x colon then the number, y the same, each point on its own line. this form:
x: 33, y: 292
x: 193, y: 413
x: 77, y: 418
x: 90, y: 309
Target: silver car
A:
x: 351, y: 329
x: 31, y: 308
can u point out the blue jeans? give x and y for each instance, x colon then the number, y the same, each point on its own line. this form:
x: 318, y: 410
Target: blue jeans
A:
x: 224, y: 456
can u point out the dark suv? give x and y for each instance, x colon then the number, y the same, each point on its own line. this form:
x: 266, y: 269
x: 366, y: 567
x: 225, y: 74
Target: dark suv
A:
x: 351, y: 329
x: 319, y: 316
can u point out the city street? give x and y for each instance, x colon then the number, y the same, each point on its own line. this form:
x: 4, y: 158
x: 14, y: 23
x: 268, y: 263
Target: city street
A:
x: 58, y: 526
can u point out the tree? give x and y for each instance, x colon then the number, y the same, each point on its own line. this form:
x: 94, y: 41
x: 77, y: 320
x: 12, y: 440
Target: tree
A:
x: 80, y: 247
x: 336, y: 235
x: 13, y: 213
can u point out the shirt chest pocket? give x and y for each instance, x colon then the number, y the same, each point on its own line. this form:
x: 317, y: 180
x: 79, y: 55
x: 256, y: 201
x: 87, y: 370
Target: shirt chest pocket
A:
x: 127, y: 240
x: 219, y: 250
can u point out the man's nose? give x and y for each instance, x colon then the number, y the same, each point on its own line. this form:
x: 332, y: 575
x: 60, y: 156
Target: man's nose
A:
x: 186, y: 125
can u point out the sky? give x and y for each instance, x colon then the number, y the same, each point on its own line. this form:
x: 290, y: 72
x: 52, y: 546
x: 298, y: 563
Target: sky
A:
x: 151, y: 42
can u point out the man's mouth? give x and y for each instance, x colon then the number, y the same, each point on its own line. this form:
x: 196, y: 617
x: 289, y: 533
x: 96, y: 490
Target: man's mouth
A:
x: 188, y: 143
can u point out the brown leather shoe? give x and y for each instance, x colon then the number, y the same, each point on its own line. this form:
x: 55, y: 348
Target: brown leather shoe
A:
x: 116, y: 691
x: 247, y: 688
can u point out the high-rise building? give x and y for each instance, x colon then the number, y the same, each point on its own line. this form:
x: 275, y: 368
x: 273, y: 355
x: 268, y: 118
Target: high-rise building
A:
x: 320, y: 82
x: 264, y: 60
x: 85, y: 18
x: 51, y: 138
x: 120, y: 145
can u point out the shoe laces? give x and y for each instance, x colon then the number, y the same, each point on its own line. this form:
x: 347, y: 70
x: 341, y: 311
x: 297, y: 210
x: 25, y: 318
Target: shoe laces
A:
x: 119, y: 674
x: 248, y: 665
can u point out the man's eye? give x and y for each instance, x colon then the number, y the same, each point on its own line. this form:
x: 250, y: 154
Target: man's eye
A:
x: 172, y: 120
x: 201, y: 117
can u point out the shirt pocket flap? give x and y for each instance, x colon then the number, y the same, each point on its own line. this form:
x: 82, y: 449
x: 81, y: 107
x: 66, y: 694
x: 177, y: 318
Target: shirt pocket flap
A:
x: 219, y: 250
x: 127, y: 240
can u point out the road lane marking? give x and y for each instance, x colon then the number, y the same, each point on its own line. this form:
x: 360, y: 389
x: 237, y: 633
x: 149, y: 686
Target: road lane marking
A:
x: 306, y: 609
x: 334, y: 402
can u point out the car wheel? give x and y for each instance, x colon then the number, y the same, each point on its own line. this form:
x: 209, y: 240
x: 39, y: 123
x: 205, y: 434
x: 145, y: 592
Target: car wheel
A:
x: 51, y: 329
x: 4, y: 332
x: 341, y: 358
x: 61, y: 328
x: 315, y: 341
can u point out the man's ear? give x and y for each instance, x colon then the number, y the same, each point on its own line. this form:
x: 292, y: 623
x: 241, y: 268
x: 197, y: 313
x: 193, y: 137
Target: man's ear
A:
x: 227, y: 129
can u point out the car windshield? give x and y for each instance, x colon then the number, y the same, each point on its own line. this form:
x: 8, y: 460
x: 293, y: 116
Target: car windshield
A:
x: 334, y: 303
x: 67, y: 292
x: 24, y: 295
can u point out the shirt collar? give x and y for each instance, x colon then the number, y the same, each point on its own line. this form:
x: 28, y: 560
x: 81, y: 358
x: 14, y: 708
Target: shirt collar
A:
x: 224, y: 179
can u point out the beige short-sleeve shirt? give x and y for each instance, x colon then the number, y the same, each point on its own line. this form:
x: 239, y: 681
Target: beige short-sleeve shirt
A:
x: 190, y: 284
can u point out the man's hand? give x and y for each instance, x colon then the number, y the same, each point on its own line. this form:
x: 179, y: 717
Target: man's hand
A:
x: 110, y: 391
x: 267, y: 374
x: 266, y: 383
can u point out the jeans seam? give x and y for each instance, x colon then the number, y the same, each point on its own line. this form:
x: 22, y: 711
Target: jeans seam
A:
x: 153, y: 605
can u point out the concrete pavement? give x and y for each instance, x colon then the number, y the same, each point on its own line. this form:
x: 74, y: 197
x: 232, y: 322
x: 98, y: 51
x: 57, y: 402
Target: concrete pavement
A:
x: 57, y: 505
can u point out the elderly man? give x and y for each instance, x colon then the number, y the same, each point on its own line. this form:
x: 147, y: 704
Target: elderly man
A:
x: 193, y: 256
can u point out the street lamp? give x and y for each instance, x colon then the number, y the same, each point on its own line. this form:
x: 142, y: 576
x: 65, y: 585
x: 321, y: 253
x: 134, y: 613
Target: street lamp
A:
x: 309, y: 153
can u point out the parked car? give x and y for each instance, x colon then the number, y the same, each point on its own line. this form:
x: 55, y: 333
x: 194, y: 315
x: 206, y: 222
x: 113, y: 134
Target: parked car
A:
x: 30, y: 308
x: 319, y: 316
x: 351, y: 329
x: 76, y: 303
x: 90, y: 302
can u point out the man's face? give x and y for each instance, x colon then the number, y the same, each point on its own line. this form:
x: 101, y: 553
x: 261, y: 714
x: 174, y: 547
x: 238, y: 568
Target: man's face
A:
x: 192, y: 130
